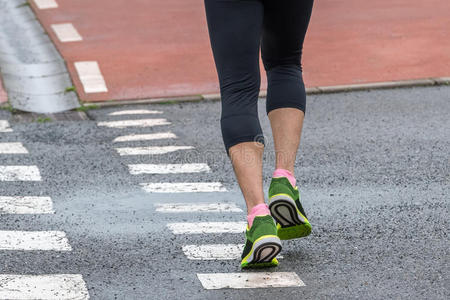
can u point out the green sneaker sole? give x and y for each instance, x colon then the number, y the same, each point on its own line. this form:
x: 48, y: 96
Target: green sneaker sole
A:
x: 291, y: 223
x: 263, y: 253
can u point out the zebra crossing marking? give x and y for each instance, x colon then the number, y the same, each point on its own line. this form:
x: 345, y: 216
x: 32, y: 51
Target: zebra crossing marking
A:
x: 134, y: 112
x: 183, y: 187
x: 207, y: 227
x: 26, y: 205
x: 150, y: 150
x: 134, y: 123
x: 215, y: 251
x: 54, y: 286
x: 34, y: 240
x: 196, y: 207
x: 214, y: 281
x: 19, y: 173
x: 145, y: 137
x: 138, y: 169
x: 12, y: 148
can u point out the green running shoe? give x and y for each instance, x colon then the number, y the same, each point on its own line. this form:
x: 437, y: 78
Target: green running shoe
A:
x: 262, y: 244
x: 286, y: 209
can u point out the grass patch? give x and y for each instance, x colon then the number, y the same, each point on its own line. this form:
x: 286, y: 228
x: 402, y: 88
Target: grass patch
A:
x: 70, y: 89
x: 85, y: 108
x: 26, y: 3
x: 43, y: 120
x: 9, y: 108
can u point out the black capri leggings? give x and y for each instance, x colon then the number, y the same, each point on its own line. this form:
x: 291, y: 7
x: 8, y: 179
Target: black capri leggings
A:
x: 236, y: 28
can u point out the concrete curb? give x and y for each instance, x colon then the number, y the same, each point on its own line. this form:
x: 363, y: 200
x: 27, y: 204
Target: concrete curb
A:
x: 309, y: 91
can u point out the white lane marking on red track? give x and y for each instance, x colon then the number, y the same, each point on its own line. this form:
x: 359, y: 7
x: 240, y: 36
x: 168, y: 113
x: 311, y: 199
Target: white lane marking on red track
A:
x: 215, y: 251
x: 46, y: 4
x: 145, y: 137
x: 196, y: 207
x: 151, y: 150
x: 4, y: 126
x: 66, y: 32
x: 135, y: 112
x: 207, y: 227
x: 12, y: 148
x: 26, y: 205
x: 248, y: 280
x: 54, y: 286
x: 183, y: 187
x: 168, y: 168
x: 91, y: 77
x: 134, y: 123
x: 19, y: 173
x: 34, y: 240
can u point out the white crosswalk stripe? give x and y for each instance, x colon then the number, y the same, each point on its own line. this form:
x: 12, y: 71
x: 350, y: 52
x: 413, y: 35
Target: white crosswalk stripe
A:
x: 56, y: 286
x: 19, y: 173
x: 215, y: 252
x: 4, y: 126
x: 145, y: 137
x: 151, y: 150
x: 196, y: 207
x: 134, y: 123
x: 167, y: 168
x: 183, y: 187
x: 26, y: 205
x: 135, y: 112
x: 207, y: 227
x: 242, y: 280
x: 12, y: 148
x: 34, y: 240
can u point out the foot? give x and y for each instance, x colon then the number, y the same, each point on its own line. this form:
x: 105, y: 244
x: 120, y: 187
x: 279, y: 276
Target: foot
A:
x: 286, y: 209
x: 262, y: 244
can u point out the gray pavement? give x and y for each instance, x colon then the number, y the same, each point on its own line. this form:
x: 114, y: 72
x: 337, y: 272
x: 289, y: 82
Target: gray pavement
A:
x: 373, y: 169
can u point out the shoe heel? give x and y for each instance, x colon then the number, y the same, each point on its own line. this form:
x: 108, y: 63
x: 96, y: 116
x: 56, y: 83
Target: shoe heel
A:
x: 284, y: 210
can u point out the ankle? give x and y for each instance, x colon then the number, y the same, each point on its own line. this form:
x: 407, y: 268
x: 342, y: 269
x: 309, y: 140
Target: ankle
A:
x: 285, y: 173
x: 258, y: 210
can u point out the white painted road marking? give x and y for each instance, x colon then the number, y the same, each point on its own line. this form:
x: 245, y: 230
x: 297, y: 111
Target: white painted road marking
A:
x: 145, y: 137
x: 34, y: 240
x: 19, y: 173
x: 183, y: 187
x: 168, y: 168
x: 66, y: 32
x: 151, y: 150
x: 207, y: 227
x: 135, y: 112
x: 90, y: 76
x: 45, y: 4
x: 214, y: 251
x: 196, y: 207
x: 4, y: 126
x: 248, y: 280
x: 26, y: 205
x: 12, y: 148
x: 134, y: 123
x: 54, y: 286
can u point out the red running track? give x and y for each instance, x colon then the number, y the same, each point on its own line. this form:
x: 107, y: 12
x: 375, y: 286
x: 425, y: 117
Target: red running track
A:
x: 154, y: 48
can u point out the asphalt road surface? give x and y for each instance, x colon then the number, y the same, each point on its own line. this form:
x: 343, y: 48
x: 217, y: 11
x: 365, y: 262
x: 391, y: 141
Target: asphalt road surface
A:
x: 94, y: 206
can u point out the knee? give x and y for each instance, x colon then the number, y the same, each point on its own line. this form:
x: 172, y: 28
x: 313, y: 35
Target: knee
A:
x: 242, y: 87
